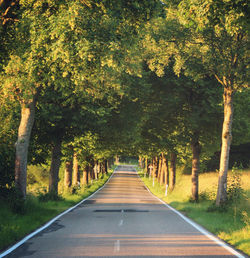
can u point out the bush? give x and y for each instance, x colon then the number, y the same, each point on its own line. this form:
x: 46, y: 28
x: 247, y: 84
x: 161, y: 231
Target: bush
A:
x: 15, y: 201
x: 7, y: 167
x: 49, y: 196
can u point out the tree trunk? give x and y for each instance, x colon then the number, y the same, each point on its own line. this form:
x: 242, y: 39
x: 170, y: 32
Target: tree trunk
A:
x: 140, y: 162
x: 159, y: 169
x: 85, y: 180
x: 75, y: 178
x: 68, y: 174
x: 172, y: 171
x: 146, y: 165
x: 225, y: 148
x: 22, y: 145
x: 163, y: 169
x: 55, y: 165
x: 96, y: 169
x: 166, y: 171
x: 155, y: 167
x: 105, y: 166
x: 196, y: 150
x: 91, y: 170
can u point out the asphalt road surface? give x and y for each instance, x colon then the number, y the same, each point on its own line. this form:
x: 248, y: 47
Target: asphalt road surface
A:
x: 123, y: 219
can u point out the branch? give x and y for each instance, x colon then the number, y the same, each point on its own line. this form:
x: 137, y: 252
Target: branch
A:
x: 218, y: 79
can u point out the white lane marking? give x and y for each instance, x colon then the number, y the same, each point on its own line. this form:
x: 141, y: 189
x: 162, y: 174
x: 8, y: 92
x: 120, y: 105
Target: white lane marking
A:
x: 11, y: 249
x: 117, y: 246
x: 121, y: 223
x: 199, y: 228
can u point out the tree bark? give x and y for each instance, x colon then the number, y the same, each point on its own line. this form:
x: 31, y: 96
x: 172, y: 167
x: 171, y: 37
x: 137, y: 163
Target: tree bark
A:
x: 163, y: 169
x: 196, y: 150
x: 159, y: 169
x: 22, y: 145
x: 68, y: 174
x: 173, y: 157
x: 146, y: 165
x: 85, y: 180
x: 75, y: 178
x: 55, y: 165
x: 225, y: 148
x: 155, y: 167
x: 105, y: 166
x: 166, y: 171
x: 96, y: 169
x: 91, y: 169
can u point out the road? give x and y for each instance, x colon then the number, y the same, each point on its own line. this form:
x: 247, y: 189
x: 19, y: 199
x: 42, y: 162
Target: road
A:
x: 122, y: 219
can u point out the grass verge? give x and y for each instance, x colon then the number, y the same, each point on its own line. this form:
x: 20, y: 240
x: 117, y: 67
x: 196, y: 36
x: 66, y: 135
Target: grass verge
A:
x: 15, y: 225
x: 231, y: 224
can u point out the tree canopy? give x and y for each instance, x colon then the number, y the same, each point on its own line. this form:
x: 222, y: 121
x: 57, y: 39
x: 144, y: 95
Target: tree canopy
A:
x: 98, y: 79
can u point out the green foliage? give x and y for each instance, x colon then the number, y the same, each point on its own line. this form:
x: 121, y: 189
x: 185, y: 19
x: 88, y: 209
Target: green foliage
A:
x: 235, y: 191
x: 49, y: 196
x: 7, y: 161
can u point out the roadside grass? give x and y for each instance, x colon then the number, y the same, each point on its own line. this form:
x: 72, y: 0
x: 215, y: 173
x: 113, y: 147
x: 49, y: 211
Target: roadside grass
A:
x: 15, y: 225
x: 231, y: 224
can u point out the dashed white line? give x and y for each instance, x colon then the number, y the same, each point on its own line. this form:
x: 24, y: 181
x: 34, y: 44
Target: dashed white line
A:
x: 121, y: 223
x: 117, y: 246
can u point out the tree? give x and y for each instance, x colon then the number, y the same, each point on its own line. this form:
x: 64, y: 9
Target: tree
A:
x: 219, y: 32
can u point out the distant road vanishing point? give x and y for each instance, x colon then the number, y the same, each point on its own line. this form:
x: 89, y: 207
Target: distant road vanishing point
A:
x: 122, y: 220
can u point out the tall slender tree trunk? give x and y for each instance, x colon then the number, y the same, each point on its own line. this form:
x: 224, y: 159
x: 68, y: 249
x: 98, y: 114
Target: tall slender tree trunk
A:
x: 91, y: 169
x: 55, y: 165
x: 159, y: 169
x: 155, y: 167
x: 146, y: 165
x: 68, y: 174
x: 75, y: 177
x: 163, y: 170
x: 140, y: 161
x: 173, y: 157
x: 99, y: 167
x: 22, y: 145
x: 166, y: 171
x: 196, y: 150
x: 85, y: 180
x: 105, y: 166
x: 225, y: 148
x: 96, y: 169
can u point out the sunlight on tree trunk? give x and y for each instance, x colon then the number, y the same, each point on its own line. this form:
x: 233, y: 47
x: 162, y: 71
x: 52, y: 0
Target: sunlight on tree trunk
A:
x: 68, y: 174
x: 22, y: 145
x: 159, y: 169
x: 196, y: 150
x: 163, y: 169
x: 173, y: 157
x: 85, y: 176
x: 75, y: 177
x: 225, y: 148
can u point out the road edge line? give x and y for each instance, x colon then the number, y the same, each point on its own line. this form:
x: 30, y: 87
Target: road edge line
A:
x: 19, y: 243
x: 198, y: 227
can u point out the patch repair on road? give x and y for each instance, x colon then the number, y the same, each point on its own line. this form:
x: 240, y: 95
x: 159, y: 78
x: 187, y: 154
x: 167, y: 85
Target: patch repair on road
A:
x: 124, y: 210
